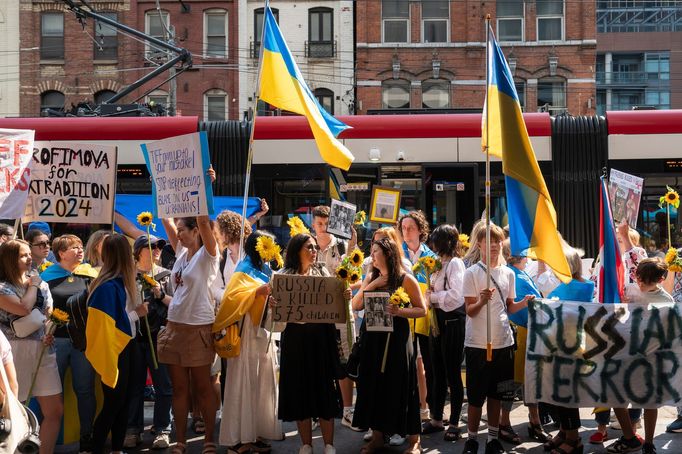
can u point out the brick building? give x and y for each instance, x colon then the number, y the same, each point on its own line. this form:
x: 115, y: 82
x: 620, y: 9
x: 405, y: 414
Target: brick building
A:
x: 9, y: 58
x: 431, y: 54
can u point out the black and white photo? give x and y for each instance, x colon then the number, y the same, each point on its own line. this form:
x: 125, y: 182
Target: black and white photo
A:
x: 376, y: 316
x: 341, y: 217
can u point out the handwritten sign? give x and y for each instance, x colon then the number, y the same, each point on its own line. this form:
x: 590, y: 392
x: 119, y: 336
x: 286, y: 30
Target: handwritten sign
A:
x: 178, y: 167
x: 308, y: 299
x: 72, y: 182
x: 15, y: 174
x: 604, y: 355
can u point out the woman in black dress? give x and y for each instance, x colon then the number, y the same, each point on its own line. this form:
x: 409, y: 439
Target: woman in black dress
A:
x: 388, y: 402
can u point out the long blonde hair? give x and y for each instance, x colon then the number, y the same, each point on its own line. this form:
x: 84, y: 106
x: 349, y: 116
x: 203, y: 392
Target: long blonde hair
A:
x: 91, y: 254
x: 117, y: 261
x: 473, y: 255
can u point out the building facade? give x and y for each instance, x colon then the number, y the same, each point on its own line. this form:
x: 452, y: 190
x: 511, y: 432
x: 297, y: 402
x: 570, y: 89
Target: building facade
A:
x: 9, y: 58
x: 430, y: 55
x: 639, y: 47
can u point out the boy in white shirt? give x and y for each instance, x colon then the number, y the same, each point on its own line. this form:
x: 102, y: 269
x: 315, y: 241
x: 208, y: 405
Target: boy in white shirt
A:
x: 492, y: 380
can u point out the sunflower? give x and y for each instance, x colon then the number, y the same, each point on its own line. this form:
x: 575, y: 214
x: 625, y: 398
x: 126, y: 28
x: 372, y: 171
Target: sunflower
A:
x: 145, y: 218
x: 267, y: 248
x: 417, y: 267
x: 354, y: 277
x: 45, y: 265
x: 360, y: 218
x: 279, y: 260
x: 342, y: 273
x: 150, y: 280
x: 671, y: 256
x: 59, y: 317
x: 464, y: 240
x: 399, y: 297
x: 357, y: 257
x: 675, y: 268
x: 394, y: 300
x: 297, y: 227
x: 429, y: 262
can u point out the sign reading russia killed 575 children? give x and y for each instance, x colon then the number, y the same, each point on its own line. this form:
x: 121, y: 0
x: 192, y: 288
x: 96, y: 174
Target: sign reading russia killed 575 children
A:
x: 180, y: 185
x: 72, y: 182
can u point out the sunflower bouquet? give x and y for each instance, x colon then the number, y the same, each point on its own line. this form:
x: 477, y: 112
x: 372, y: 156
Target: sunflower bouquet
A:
x: 360, y: 218
x: 672, y: 257
x: 45, y: 265
x: 349, y: 272
x: 269, y: 251
x: 296, y: 226
x: 56, y: 319
x: 400, y: 299
x: 429, y: 265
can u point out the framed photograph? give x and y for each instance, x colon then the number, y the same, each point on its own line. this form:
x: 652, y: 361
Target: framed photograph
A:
x: 625, y: 194
x: 376, y: 317
x: 385, y: 205
x: 341, y: 217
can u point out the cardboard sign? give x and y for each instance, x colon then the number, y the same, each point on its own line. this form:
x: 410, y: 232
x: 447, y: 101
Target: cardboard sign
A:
x: 72, y: 182
x: 180, y: 185
x: 308, y: 299
x: 604, y: 355
x: 15, y: 174
x: 625, y: 192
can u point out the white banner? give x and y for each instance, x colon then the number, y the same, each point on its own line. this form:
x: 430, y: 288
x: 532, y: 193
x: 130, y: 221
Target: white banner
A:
x: 604, y: 355
x: 178, y: 167
x: 72, y: 183
x: 15, y: 172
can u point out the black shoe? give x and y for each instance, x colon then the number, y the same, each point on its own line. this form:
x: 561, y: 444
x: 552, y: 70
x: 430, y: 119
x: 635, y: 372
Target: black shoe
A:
x: 648, y: 448
x: 494, y: 447
x: 85, y: 444
x: 470, y: 447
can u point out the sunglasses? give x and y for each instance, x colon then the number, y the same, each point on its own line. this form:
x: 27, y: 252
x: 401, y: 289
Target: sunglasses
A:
x: 313, y: 247
x: 41, y: 244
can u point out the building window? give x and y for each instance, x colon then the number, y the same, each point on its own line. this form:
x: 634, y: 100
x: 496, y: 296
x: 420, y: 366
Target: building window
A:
x: 53, y: 100
x: 521, y: 93
x: 215, y: 33
x: 510, y: 20
x: 326, y: 99
x: 435, y: 19
x: 158, y: 98
x: 157, y: 25
x: 320, y: 32
x: 658, y: 98
x: 395, y: 15
x: 550, y: 20
x: 258, y: 29
x: 436, y: 94
x: 106, y: 39
x: 52, y: 36
x: 551, y: 95
x: 215, y: 105
x: 657, y: 66
x: 395, y: 94
x: 103, y: 96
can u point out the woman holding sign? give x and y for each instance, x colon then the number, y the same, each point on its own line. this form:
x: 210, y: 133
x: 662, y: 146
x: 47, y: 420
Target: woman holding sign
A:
x: 310, y: 364
x: 388, y: 400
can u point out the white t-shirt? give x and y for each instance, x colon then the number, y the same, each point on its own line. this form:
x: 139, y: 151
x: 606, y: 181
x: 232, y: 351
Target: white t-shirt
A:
x: 5, y: 350
x: 635, y: 295
x: 192, y: 302
x: 476, y: 327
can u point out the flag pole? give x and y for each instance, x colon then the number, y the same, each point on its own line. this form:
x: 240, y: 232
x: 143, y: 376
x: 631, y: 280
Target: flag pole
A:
x: 253, y: 111
x: 489, y: 344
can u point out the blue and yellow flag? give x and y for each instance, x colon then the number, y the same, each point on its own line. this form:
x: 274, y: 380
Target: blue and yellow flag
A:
x: 108, y: 329
x: 282, y: 85
x: 532, y: 218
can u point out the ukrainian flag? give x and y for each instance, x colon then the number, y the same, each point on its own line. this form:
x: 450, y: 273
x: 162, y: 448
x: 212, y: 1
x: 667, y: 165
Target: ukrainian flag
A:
x: 108, y: 329
x: 532, y: 218
x: 282, y: 85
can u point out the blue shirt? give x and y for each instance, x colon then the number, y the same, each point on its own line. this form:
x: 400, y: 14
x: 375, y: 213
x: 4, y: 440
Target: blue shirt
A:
x: 424, y: 251
x: 574, y: 291
x: 524, y: 286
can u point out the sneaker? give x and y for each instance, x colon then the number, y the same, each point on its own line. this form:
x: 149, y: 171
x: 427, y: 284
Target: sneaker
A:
x: 347, y: 420
x: 470, y: 447
x: 396, y: 440
x: 315, y: 426
x: 161, y: 441
x: 598, y: 438
x: 306, y: 449
x: 132, y: 440
x: 648, y: 448
x: 623, y: 445
x: 329, y: 449
x: 368, y: 435
x: 494, y: 447
x: 85, y: 445
x: 675, y: 426
x: 637, y: 424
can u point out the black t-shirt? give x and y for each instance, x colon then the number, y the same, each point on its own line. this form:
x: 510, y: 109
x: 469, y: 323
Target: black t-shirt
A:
x: 63, y: 288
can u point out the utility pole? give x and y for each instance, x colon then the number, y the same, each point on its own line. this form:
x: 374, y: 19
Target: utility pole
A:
x: 173, y: 88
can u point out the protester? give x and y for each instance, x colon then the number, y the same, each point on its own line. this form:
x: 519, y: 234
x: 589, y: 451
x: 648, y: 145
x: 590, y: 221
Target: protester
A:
x: 388, y: 400
x: 310, y: 364
x: 491, y: 380
x: 8, y: 364
x: 392, y: 234
x: 66, y: 278
x: 22, y: 292
x: 40, y: 248
x: 447, y: 346
x: 114, y: 308
x: 158, y: 298
x: 250, y: 402
x: 473, y: 254
x: 6, y: 233
x: 93, y: 248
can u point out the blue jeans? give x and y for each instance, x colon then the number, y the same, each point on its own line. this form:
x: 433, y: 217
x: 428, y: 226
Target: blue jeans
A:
x: 163, y: 391
x: 602, y: 417
x: 82, y: 379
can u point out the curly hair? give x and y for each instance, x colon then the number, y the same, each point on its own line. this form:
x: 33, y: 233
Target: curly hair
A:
x: 230, y: 226
x: 419, y: 218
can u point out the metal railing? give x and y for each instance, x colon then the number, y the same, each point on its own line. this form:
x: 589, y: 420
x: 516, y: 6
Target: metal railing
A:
x: 646, y: 17
x: 320, y: 49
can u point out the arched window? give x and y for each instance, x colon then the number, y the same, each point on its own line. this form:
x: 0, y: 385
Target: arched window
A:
x: 436, y: 94
x: 320, y: 33
x: 215, y: 105
x: 326, y: 99
x: 53, y: 100
x: 395, y: 94
x: 103, y: 96
x: 552, y: 94
x: 158, y: 99
x: 215, y: 33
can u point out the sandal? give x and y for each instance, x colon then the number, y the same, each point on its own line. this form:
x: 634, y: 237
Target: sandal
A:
x: 239, y: 448
x: 555, y: 442
x: 574, y: 447
x: 430, y: 428
x: 508, y: 434
x: 179, y: 448
x: 536, y: 432
x: 260, y: 446
x: 452, y: 434
x: 198, y: 425
x: 209, y: 448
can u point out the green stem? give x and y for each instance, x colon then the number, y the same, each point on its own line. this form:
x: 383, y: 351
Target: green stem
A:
x: 667, y: 210
x: 349, y: 326
x: 40, y: 360
x: 149, y: 337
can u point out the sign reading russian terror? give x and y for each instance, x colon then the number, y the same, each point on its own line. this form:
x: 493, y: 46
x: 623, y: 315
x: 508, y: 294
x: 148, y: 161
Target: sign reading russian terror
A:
x: 180, y: 185
x: 604, y: 355
x: 15, y: 172
x: 72, y: 182
x: 308, y: 299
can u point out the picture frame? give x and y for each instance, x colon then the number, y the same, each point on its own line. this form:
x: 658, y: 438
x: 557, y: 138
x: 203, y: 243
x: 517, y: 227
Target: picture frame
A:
x: 341, y: 217
x: 376, y: 316
x: 385, y: 205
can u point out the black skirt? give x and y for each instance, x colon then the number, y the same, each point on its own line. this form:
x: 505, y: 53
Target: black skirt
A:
x: 309, y: 369
x: 388, y: 402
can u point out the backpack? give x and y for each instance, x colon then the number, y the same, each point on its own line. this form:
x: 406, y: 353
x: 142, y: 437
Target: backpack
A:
x: 77, y: 308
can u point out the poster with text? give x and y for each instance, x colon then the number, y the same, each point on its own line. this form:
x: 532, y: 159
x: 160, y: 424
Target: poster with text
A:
x: 308, y: 299
x: 180, y: 185
x: 625, y: 193
x: 15, y: 172
x: 72, y: 182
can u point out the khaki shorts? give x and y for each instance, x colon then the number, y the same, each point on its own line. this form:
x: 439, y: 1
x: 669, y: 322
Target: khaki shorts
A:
x: 186, y: 345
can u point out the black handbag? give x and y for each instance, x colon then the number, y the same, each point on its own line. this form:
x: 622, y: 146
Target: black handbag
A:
x: 353, y: 362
